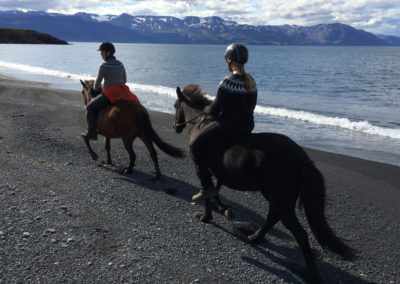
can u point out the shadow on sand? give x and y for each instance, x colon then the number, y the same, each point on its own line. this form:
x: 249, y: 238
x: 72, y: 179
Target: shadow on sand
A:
x: 244, y: 225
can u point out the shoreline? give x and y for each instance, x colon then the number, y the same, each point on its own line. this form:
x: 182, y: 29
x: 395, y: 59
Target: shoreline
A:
x: 54, y: 86
x: 375, y: 156
x: 379, y: 170
x: 65, y: 217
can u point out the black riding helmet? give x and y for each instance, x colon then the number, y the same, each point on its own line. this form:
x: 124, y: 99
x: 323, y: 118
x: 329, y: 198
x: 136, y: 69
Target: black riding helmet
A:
x: 237, y: 52
x: 107, y: 47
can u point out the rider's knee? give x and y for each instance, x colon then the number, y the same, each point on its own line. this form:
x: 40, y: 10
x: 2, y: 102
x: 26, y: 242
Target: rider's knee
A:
x: 196, y: 148
x: 91, y: 107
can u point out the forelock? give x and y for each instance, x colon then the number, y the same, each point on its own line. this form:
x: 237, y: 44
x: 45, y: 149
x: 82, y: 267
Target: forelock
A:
x: 195, y: 96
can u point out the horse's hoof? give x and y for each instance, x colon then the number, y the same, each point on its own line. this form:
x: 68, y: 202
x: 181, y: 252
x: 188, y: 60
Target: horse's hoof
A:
x: 128, y: 171
x: 106, y: 164
x: 205, y: 218
x: 255, y: 238
x: 228, y: 213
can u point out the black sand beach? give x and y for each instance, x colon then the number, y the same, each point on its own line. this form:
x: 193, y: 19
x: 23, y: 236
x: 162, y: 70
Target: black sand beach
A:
x: 64, y: 218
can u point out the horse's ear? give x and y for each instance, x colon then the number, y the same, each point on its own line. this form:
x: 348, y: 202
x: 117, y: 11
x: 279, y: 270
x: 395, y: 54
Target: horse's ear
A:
x: 179, y: 93
x: 83, y: 84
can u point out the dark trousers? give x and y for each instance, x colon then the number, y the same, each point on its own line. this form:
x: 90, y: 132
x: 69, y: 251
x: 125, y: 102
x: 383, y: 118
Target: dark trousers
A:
x: 209, y: 137
x: 92, y: 110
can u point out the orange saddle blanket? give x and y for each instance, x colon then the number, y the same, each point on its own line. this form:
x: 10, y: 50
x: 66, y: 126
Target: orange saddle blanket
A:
x: 119, y: 92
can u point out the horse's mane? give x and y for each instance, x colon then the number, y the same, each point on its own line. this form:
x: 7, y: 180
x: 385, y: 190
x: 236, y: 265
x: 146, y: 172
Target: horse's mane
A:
x: 195, y: 97
x: 90, y: 83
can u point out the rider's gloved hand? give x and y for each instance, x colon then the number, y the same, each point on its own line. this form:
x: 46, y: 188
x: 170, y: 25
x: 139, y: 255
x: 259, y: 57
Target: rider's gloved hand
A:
x: 94, y: 92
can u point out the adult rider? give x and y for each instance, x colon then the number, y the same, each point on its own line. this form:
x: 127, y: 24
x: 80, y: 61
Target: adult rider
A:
x: 114, y: 75
x: 232, y: 109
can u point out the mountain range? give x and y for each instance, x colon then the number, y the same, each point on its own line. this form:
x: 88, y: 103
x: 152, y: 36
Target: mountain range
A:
x: 189, y: 30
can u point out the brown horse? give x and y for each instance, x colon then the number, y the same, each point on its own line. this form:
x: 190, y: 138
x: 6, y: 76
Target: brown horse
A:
x: 128, y: 120
x: 272, y: 164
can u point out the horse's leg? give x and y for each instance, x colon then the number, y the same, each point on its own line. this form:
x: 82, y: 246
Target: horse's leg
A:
x: 271, y: 220
x: 107, y: 141
x: 291, y: 222
x: 207, y: 217
x: 91, y: 152
x: 153, y: 154
x: 132, y: 156
x: 228, y: 213
x: 221, y: 207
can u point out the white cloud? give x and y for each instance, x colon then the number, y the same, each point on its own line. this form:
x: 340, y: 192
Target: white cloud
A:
x: 372, y: 15
x: 357, y: 13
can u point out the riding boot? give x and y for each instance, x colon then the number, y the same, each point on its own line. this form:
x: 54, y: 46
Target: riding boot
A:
x: 207, y: 190
x: 205, y: 193
x: 92, y: 109
x: 91, y: 132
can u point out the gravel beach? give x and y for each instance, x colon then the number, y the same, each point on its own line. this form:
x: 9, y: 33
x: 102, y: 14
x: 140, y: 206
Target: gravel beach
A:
x: 65, y: 218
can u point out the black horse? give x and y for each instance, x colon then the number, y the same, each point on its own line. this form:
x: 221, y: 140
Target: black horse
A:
x: 273, y: 164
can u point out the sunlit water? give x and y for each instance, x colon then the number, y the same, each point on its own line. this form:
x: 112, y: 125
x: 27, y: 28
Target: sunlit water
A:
x: 340, y: 99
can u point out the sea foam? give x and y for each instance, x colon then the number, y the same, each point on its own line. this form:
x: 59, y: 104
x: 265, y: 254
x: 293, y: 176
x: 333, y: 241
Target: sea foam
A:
x: 318, y: 119
x: 342, y: 122
x: 44, y: 71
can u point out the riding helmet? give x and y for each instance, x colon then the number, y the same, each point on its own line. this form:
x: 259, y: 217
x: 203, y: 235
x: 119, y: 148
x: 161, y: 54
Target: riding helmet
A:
x: 237, y: 52
x: 107, y: 47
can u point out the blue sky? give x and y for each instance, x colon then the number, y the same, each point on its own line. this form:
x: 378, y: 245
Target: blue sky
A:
x: 376, y: 16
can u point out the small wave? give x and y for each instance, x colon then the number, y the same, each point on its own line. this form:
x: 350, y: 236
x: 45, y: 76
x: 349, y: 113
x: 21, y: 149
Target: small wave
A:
x: 157, y: 89
x: 45, y: 71
x: 345, y: 123
x: 162, y: 90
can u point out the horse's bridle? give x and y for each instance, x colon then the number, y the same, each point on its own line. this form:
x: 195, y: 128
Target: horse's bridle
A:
x: 190, y: 120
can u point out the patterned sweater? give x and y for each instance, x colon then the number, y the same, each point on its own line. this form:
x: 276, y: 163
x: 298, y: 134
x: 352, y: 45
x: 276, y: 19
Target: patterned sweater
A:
x: 112, y: 71
x: 234, y: 105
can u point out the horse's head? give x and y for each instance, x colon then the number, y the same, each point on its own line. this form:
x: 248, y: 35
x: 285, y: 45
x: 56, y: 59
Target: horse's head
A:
x: 179, y: 123
x: 190, y: 103
x: 88, y: 85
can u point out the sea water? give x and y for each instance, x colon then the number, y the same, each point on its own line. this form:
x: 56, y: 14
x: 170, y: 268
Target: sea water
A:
x: 340, y: 99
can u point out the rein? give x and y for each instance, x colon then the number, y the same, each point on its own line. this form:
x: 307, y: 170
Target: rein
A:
x: 190, y: 120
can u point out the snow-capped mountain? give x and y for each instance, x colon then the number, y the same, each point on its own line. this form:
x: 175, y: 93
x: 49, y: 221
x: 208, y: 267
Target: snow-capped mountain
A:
x: 167, y: 29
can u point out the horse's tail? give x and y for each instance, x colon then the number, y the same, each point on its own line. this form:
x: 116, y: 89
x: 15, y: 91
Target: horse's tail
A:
x: 313, y: 199
x: 164, y: 146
